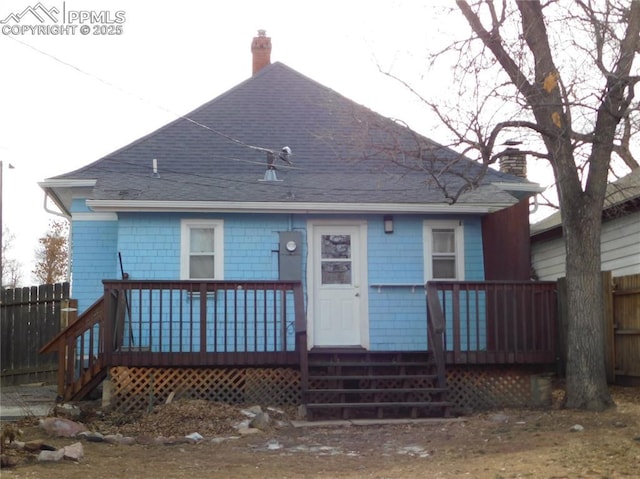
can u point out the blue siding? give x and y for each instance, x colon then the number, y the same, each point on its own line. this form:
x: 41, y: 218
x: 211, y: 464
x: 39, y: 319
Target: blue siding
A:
x: 262, y: 331
x: 94, y: 258
x: 150, y: 248
x: 150, y: 245
x: 473, y: 250
x: 397, y: 314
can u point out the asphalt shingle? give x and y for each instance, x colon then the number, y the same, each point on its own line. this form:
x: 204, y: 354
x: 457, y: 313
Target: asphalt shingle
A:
x: 342, y: 152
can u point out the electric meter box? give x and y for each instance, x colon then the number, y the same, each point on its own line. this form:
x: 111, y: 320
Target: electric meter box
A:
x: 290, y: 256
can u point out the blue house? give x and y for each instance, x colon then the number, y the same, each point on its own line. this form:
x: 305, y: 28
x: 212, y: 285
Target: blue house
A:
x: 283, y: 218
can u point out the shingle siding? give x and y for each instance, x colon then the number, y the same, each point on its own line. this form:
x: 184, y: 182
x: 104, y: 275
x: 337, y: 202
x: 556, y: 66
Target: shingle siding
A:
x: 94, y: 259
x: 397, y: 314
x: 150, y: 249
x: 473, y: 258
x: 150, y: 245
x: 251, y: 246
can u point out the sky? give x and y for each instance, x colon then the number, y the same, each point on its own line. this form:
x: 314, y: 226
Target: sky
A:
x: 69, y: 98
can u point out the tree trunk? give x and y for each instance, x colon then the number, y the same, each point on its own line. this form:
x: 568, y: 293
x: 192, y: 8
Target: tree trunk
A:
x: 586, y: 386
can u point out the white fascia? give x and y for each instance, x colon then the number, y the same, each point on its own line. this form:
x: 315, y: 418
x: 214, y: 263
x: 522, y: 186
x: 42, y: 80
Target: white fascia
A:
x: 524, y: 187
x: 62, y: 191
x: 64, y: 183
x: 286, y: 207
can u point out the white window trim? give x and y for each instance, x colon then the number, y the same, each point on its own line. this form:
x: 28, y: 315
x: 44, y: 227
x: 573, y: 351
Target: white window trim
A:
x: 218, y: 238
x: 427, y: 236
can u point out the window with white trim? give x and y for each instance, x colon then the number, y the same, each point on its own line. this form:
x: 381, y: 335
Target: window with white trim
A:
x: 443, y: 250
x: 202, y: 249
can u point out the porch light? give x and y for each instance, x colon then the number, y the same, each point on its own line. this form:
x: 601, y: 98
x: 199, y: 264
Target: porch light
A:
x: 388, y: 224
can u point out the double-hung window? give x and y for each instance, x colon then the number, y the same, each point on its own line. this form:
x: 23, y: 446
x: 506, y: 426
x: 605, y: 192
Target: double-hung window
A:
x: 444, y: 250
x: 202, y: 249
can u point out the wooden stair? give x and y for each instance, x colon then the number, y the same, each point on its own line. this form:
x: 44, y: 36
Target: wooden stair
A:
x: 80, y: 348
x: 368, y: 384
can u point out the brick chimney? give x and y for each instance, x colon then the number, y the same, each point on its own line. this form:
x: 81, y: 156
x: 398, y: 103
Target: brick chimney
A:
x: 514, y: 162
x: 261, y: 50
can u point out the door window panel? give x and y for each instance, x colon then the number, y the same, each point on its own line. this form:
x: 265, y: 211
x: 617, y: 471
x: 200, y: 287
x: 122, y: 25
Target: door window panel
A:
x: 336, y: 261
x: 336, y: 272
x: 336, y: 246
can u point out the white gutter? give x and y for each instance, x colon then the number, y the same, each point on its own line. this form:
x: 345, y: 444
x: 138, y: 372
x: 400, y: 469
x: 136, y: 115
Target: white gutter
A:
x: 67, y: 183
x: 527, y: 187
x: 49, y: 187
x: 288, y: 207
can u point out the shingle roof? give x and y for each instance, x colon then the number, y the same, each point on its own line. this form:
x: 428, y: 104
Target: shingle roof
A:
x: 342, y: 152
x: 620, y: 196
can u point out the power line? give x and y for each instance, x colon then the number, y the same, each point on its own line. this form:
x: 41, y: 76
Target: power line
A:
x: 140, y: 98
x: 192, y: 121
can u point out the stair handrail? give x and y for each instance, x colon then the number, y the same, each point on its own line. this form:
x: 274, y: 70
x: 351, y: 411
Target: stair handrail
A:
x: 435, y: 331
x: 65, y: 344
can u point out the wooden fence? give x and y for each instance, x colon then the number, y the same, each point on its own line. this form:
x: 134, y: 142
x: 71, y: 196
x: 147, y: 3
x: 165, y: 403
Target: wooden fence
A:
x: 622, y: 296
x: 30, y: 317
x: 621, y: 317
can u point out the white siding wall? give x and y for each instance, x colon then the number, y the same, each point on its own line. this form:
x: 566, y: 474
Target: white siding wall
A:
x: 620, y: 250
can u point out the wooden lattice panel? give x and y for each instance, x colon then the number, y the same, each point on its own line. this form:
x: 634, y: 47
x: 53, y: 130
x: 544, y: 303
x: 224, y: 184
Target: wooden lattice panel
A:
x: 485, y: 388
x: 272, y: 386
x: 142, y: 388
x: 472, y: 389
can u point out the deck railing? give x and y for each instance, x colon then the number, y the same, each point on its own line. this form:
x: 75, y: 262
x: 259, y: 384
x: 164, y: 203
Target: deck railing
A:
x: 497, y: 322
x: 203, y: 323
x: 182, y: 323
x: 262, y: 323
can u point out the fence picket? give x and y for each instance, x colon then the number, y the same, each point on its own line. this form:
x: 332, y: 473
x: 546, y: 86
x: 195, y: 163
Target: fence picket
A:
x: 30, y: 317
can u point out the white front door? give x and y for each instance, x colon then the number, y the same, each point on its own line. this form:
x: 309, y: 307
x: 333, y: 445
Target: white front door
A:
x: 339, y: 285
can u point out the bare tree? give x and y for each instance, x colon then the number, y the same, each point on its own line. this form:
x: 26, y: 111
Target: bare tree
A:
x: 52, y: 259
x: 11, y: 267
x: 559, y: 76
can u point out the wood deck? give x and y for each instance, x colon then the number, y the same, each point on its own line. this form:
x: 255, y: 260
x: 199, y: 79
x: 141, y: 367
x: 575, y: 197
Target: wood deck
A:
x: 263, y: 324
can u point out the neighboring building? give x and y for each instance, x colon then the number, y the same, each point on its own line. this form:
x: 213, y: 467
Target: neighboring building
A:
x: 620, y: 244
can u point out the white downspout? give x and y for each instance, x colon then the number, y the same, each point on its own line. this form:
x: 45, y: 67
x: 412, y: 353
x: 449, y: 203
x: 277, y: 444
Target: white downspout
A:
x: 68, y: 218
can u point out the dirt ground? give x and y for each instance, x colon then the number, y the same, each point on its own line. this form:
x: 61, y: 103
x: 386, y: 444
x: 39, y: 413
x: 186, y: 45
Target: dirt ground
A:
x: 496, y: 445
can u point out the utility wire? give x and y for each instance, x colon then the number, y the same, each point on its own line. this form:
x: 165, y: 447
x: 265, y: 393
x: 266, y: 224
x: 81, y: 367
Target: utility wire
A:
x: 155, y: 105
x: 186, y: 118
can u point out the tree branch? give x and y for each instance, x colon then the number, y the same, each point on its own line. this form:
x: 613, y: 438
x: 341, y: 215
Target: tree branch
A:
x: 492, y: 41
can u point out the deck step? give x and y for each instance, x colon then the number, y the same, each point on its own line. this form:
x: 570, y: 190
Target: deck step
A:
x: 343, y: 377
x: 342, y: 405
x: 374, y: 384
x: 362, y: 364
x: 378, y: 390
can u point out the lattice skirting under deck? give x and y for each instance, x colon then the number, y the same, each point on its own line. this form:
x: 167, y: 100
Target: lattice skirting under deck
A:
x: 135, y: 389
x: 470, y: 388
x: 477, y: 388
